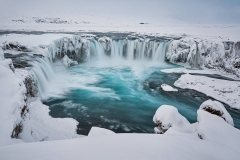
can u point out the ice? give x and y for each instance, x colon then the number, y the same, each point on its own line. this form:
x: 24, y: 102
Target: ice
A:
x: 68, y: 62
x: 168, y: 88
x: 204, y: 53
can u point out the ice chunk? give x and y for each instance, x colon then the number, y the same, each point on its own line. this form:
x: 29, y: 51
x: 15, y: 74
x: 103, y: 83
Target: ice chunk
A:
x: 68, y: 62
x: 168, y: 88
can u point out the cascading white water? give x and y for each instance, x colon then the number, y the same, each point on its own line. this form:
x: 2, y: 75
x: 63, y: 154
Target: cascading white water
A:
x: 43, y: 72
x: 131, y: 49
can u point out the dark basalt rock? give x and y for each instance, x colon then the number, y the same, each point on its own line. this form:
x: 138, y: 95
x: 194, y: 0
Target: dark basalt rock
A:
x: 17, y: 130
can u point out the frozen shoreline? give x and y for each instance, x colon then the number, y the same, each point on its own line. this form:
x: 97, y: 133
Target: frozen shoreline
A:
x: 225, y: 91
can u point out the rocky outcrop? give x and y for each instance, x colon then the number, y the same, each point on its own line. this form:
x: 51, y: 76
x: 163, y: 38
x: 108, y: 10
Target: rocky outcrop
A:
x: 76, y: 48
x: 31, y: 86
x: 217, y: 108
x: 166, y: 117
x: 15, y: 46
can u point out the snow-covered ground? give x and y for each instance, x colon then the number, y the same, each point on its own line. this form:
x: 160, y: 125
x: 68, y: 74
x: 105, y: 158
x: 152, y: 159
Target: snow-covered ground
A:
x: 222, y: 90
x: 204, y: 71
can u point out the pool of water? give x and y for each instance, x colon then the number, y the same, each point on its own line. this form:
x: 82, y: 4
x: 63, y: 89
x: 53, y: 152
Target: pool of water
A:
x: 122, y: 97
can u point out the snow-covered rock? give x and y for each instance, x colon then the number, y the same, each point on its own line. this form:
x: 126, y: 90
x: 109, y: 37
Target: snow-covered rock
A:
x: 214, y: 128
x: 217, y: 108
x: 106, y: 43
x: 168, y: 88
x: 222, y: 90
x: 38, y: 125
x: 76, y: 48
x: 168, y: 116
x: 96, y: 131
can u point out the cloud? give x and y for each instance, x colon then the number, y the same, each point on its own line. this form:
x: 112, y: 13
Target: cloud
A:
x: 190, y: 11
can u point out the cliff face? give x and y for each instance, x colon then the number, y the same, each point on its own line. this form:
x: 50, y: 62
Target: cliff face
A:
x: 23, y: 117
x: 200, y: 53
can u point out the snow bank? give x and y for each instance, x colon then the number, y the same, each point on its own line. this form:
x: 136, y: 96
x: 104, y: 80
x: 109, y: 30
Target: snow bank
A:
x: 12, y: 98
x: 167, y: 116
x: 210, y: 138
x: 40, y: 126
x: 205, y: 71
x: 96, y: 131
x: 222, y: 90
x: 168, y: 88
x: 210, y: 126
x: 214, y: 128
x: 217, y: 108
x: 122, y: 146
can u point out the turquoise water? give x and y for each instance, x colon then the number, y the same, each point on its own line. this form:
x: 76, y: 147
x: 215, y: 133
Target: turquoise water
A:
x: 121, y: 97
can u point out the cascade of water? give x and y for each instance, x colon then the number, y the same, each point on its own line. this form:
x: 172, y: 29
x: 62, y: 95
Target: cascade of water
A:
x: 82, y: 50
x: 130, y: 50
x: 117, y: 49
x: 97, y: 49
x: 43, y: 73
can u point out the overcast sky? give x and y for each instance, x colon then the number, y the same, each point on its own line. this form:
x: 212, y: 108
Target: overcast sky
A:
x: 190, y: 11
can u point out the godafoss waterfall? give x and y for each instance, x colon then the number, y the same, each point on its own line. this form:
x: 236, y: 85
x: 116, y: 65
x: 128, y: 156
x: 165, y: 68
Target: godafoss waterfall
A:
x: 114, y: 81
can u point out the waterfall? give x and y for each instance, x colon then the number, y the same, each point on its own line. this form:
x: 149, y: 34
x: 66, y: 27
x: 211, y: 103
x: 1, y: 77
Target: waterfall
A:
x: 80, y: 49
x: 43, y: 72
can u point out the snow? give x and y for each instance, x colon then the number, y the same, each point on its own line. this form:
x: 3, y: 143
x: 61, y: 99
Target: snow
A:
x: 40, y: 126
x: 222, y: 90
x: 97, y: 131
x: 122, y: 146
x: 168, y: 88
x: 12, y: 100
x: 216, y: 106
x: 167, y: 116
x: 205, y: 71
x: 32, y: 40
x: 214, y: 128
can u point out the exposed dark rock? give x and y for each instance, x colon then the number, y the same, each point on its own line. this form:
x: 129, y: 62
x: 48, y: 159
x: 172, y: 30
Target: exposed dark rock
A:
x: 215, y: 112
x: 15, y: 46
x: 17, y: 130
